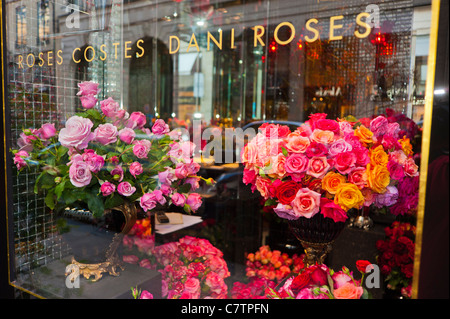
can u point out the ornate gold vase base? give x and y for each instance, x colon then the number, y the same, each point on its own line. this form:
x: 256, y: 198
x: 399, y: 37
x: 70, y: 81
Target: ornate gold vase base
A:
x: 315, y: 253
x: 113, y: 262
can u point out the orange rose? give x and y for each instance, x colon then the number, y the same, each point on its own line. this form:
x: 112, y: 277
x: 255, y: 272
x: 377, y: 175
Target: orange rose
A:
x: 378, y: 177
x: 364, y: 134
x: 406, y: 145
x: 348, y: 291
x: 378, y: 156
x: 321, y: 136
x: 349, y: 196
x: 331, y: 182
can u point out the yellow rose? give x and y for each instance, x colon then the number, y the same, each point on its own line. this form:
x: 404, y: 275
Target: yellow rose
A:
x: 406, y: 145
x: 349, y: 196
x: 364, y: 134
x: 378, y: 156
x: 331, y: 182
x: 378, y: 177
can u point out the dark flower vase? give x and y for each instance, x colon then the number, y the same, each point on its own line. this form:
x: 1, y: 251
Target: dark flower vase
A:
x: 316, y: 234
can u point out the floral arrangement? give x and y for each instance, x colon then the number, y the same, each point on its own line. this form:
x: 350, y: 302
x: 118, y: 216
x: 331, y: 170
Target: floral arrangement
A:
x: 105, y: 157
x: 191, y: 268
x: 254, y: 289
x: 272, y: 265
x: 321, y: 282
x: 328, y: 166
x: 396, y: 256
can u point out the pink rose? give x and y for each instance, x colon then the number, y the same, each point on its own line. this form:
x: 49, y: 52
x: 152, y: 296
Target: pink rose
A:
x: 308, y: 293
x: 345, y: 128
x: 77, y: 133
x: 396, y: 170
x: 193, y: 181
x: 340, y: 278
x: 94, y: 161
x: 88, y: 88
x: 411, y: 168
x: 107, y: 188
x: 388, y: 198
x: 167, y: 176
x: 339, y: 146
x: 131, y: 259
x: 393, y: 129
x: 160, y: 127
x: 249, y: 176
x: 147, y: 201
x: 117, y: 173
x: 178, y: 199
x: 159, y: 196
x: 106, y: 134
x: 88, y: 101
x: 358, y: 176
x: 348, y: 291
x: 249, y: 154
x: 262, y: 185
x: 141, y: 148
x: 19, y: 159
x: 345, y: 162
x: 379, y: 125
x: 166, y: 189
x: 146, y: 295
x: 362, y: 156
x: 136, y: 169
x: 286, y: 212
x: 318, y: 167
x: 80, y: 174
x: 278, y: 165
x: 194, y: 201
x: 110, y: 107
x: 136, y: 120
x: 125, y: 189
x: 192, y: 285
x: 306, y: 203
x: 47, y: 131
x: 181, y: 171
x: 330, y: 210
x: 214, y: 282
x: 127, y: 135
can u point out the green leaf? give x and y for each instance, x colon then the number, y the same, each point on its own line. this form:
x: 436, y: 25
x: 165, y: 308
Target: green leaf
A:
x: 285, y: 152
x: 50, y: 199
x: 270, y: 202
x: 113, y: 201
x: 95, y: 205
x: 59, y: 189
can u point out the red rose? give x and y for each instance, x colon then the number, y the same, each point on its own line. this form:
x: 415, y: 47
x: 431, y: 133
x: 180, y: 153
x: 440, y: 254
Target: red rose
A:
x: 318, y: 276
x: 286, y: 192
x: 316, y: 149
x: 301, y: 281
x: 361, y: 265
x: 327, y: 125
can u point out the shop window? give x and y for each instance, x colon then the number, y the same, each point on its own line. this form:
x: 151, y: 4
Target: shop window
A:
x: 21, y: 26
x: 43, y: 22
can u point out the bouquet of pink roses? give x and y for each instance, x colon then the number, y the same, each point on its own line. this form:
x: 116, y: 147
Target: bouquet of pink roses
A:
x: 328, y: 166
x: 104, y: 157
x: 192, y: 269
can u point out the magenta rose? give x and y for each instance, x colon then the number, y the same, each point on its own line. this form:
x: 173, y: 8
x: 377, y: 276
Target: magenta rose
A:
x: 328, y: 125
x: 160, y: 127
x: 80, y: 174
x: 181, y: 171
x: 167, y: 176
x: 117, y: 173
x: 141, y: 148
x: 126, y: 189
x: 396, y: 170
x: 306, y: 203
x: 47, y: 131
x: 107, y: 188
x: 249, y: 176
x: 316, y: 149
x: 345, y: 162
x: 136, y: 169
x: 106, y: 134
x: 88, y: 88
x: 19, y: 159
x: 331, y: 210
x: 110, y: 107
x: 178, y: 199
x: 94, y: 161
x: 136, y: 120
x: 159, y: 196
x: 146, y: 295
x: 77, y: 132
x: 88, y: 101
x: 127, y: 135
x: 379, y: 126
x: 194, y: 201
